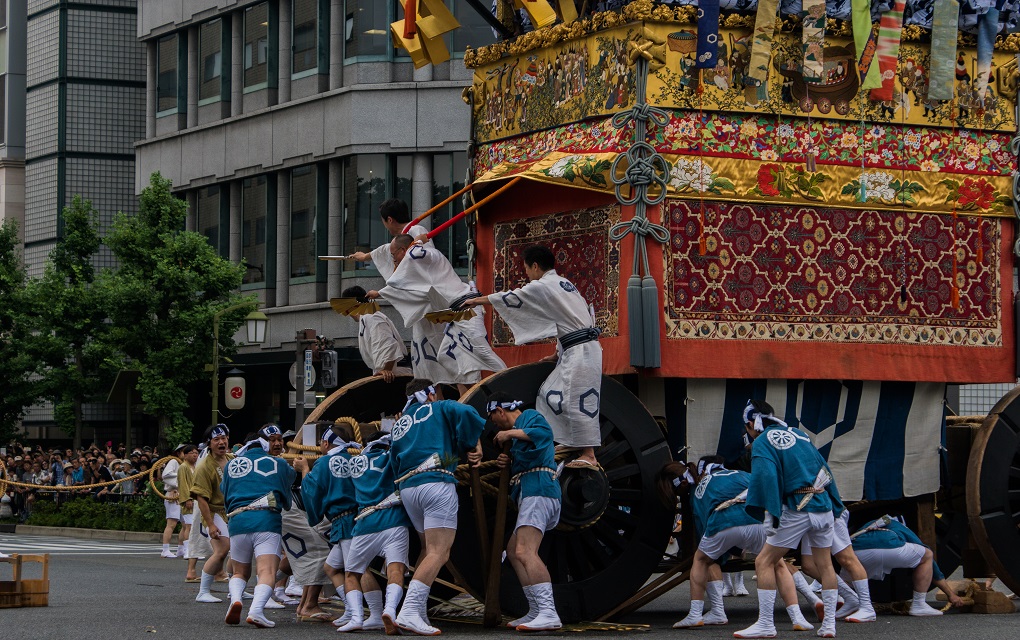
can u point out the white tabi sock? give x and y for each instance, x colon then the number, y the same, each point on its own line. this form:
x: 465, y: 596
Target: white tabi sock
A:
x: 804, y: 588
x: 716, y: 610
x: 185, y: 545
x: 415, y: 599
x: 547, y: 618
x: 206, y: 584
x: 258, y: 603
x: 529, y: 594
x: 738, y: 584
x: 236, y: 588
x: 846, y: 592
x: 693, y: 618
x: 920, y: 607
x: 765, y: 627
x: 374, y: 600
x: 394, y: 592
x: 829, y: 599
x: 166, y: 548
x: 357, y: 609
x: 866, y: 610
x: 727, y: 584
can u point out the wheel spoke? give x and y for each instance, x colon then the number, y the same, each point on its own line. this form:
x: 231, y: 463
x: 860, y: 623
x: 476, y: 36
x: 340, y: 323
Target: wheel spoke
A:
x: 611, y: 452
x: 624, y: 495
x: 621, y: 472
x: 596, y: 552
x: 610, y: 536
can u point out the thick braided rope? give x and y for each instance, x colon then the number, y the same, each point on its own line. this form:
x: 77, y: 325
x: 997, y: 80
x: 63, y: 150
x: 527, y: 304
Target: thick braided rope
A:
x: 4, y: 482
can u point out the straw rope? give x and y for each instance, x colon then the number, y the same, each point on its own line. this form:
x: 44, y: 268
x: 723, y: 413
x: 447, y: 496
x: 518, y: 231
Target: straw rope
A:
x: 5, y: 482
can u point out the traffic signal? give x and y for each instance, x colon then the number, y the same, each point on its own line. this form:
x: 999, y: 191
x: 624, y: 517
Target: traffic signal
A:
x: 329, y: 374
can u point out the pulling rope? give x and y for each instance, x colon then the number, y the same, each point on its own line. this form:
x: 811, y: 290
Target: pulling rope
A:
x: 4, y: 482
x: 645, y: 179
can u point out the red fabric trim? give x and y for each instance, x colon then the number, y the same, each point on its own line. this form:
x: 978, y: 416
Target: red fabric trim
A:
x: 410, y: 19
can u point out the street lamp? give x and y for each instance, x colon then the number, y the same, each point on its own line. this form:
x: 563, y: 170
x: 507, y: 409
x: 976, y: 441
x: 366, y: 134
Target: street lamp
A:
x: 256, y: 323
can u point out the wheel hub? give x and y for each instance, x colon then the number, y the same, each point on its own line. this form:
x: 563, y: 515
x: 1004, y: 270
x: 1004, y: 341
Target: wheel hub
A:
x: 585, y: 496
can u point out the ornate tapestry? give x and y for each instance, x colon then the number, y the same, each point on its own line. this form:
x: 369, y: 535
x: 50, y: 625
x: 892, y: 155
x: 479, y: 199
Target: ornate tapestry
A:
x: 584, y: 255
x: 756, y: 158
x: 591, y: 76
x: 799, y: 273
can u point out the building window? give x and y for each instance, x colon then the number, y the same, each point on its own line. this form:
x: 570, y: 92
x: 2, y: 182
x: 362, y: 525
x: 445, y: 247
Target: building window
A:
x: 3, y: 71
x: 210, y: 51
x: 256, y: 46
x: 304, y: 201
x: 254, y: 214
x: 168, y: 73
x: 473, y: 32
x: 448, y: 175
x: 306, y: 35
x: 209, y: 208
x: 364, y: 179
x: 367, y: 28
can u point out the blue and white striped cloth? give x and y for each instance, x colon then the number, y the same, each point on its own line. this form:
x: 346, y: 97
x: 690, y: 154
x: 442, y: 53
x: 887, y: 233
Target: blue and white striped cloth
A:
x: 881, y: 439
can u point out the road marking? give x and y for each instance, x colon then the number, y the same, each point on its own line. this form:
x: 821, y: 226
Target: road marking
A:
x: 70, y: 546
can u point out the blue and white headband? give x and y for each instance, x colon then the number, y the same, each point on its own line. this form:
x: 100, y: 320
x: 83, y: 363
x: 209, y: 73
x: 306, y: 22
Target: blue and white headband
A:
x: 753, y: 415
x: 509, y: 406
x: 686, y: 477
x: 332, y: 438
x: 419, y: 396
x: 270, y: 430
x: 706, y: 469
x: 218, y: 431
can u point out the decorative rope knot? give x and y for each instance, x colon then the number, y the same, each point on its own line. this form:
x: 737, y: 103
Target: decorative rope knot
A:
x: 646, y: 171
x: 641, y: 112
x: 641, y: 227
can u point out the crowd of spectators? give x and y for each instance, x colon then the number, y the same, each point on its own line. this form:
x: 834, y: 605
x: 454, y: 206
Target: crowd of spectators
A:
x: 73, y: 468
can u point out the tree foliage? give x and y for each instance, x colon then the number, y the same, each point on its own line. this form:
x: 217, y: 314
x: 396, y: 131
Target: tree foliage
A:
x: 169, y: 284
x: 72, y: 310
x: 18, y: 346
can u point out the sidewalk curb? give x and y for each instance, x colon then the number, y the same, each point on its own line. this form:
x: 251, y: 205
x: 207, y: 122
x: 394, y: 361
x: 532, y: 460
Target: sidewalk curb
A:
x: 90, y: 534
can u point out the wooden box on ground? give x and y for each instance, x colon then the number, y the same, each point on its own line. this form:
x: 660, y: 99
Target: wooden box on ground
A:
x: 22, y: 592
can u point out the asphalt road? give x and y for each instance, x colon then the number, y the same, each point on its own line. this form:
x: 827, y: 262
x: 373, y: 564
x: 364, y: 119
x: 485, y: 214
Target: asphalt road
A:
x: 105, y: 590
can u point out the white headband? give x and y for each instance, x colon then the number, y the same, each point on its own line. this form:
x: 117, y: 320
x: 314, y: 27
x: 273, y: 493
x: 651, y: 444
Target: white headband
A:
x: 753, y: 415
x: 509, y: 406
x: 219, y: 430
x: 705, y: 469
x: 419, y: 396
x: 259, y: 442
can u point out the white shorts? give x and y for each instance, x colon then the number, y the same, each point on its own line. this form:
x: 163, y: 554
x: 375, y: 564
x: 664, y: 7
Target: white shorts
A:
x: 748, y: 537
x: 540, y: 512
x: 431, y: 506
x: 260, y: 543
x: 795, y: 526
x: 173, y: 510
x: 840, y: 535
x: 339, y: 553
x: 188, y: 518
x: 880, y: 562
x: 392, y: 544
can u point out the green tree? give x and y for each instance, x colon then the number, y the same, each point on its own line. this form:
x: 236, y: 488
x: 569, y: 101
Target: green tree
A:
x: 19, y: 354
x: 72, y: 310
x: 164, y: 294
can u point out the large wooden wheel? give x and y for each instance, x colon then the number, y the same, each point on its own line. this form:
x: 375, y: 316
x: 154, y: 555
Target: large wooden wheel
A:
x: 609, y: 542
x: 993, y: 489
x: 364, y: 400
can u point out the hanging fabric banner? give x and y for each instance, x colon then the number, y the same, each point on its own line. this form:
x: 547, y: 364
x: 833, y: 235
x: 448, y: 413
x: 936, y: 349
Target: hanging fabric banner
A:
x: 813, y: 39
x: 865, y: 44
x: 988, y: 26
x: 889, y: 31
x: 943, y: 49
x: 761, y: 51
x: 708, y: 34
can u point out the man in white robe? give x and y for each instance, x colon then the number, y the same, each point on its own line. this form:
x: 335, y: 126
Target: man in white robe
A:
x: 551, y: 306
x: 378, y: 341
x: 395, y: 216
x: 424, y: 281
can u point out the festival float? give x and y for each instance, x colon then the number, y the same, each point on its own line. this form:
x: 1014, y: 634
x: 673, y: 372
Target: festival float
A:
x: 815, y: 210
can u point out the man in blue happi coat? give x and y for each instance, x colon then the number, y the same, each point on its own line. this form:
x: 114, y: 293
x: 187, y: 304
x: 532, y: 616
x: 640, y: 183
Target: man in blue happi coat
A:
x: 380, y: 529
x: 722, y: 525
x: 536, y: 490
x: 256, y: 487
x: 328, y: 492
x: 427, y: 442
x: 793, y: 493
x: 886, y: 544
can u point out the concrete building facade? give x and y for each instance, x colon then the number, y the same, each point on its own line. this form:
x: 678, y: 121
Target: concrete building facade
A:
x: 285, y: 123
x: 12, y: 112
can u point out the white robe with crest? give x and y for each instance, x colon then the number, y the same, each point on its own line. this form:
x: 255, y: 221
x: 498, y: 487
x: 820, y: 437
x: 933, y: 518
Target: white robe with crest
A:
x: 383, y: 261
x: 570, y: 397
x: 423, y: 282
x: 379, y: 343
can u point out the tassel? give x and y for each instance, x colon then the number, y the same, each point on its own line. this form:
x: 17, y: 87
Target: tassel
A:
x: 650, y: 326
x: 635, y: 320
x: 956, y: 296
x: 410, y: 19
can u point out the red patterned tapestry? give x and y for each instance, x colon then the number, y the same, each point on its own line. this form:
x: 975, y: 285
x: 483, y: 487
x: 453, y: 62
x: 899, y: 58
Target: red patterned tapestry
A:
x: 584, y: 254
x: 839, y: 276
